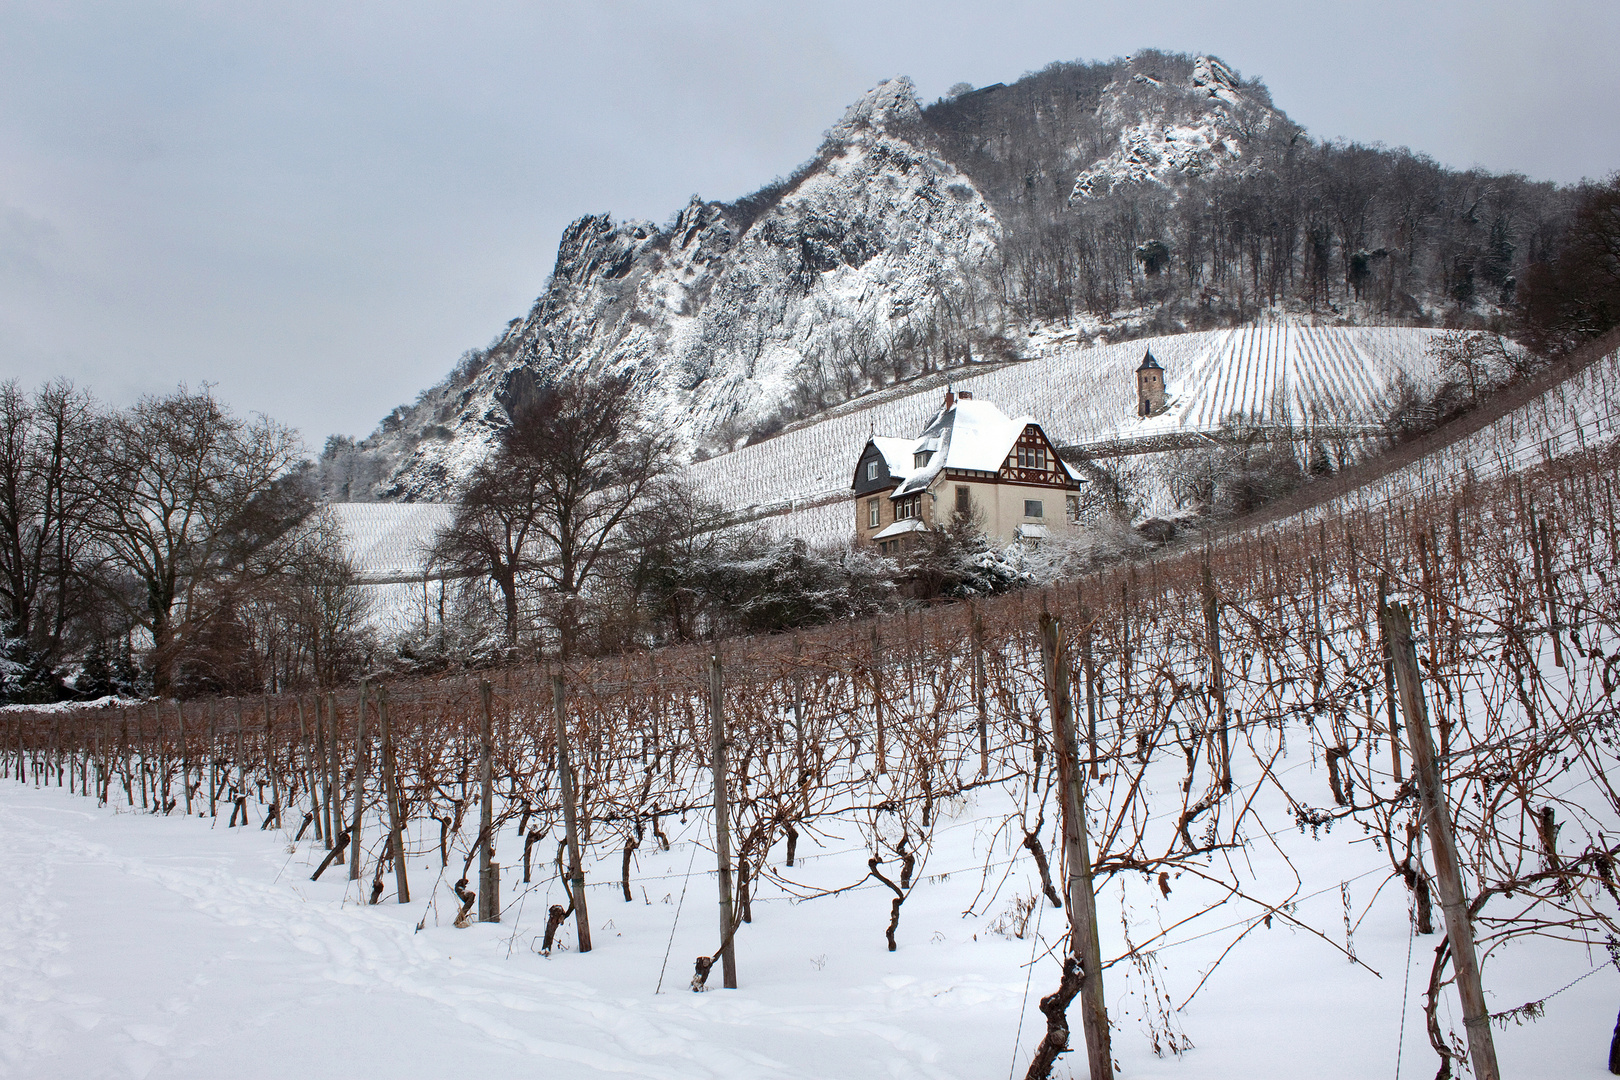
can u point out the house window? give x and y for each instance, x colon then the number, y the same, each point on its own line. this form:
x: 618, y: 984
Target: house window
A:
x: 909, y: 507
x: 871, y: 469
x: 1032, y: 457
x: 1033, y: 508
x: 1074, y: 507
x: 872, y: 513
x: 964, y: 499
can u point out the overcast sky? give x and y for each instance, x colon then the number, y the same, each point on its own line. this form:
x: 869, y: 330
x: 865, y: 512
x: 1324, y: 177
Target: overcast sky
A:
x: 319, y: 206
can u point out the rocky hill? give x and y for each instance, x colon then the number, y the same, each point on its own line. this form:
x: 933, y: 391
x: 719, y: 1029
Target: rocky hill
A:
x: 1145, y: 195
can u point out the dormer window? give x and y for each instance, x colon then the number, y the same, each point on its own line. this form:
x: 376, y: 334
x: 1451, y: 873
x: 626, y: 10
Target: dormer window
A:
x: 920, y: 458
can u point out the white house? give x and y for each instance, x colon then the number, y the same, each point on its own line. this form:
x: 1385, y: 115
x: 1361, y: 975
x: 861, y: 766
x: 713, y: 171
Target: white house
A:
x: 1000, y: 472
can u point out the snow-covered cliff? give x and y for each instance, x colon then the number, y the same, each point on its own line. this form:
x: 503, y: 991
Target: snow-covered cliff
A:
x: 724, y: 318
x: 1173, y: 126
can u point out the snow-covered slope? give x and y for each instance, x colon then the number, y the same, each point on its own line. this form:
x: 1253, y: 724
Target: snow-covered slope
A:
x: 1276, y: 375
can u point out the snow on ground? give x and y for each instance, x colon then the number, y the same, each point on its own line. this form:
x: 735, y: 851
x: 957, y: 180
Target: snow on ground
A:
x: 138, y: 946
x: 1276, y: 373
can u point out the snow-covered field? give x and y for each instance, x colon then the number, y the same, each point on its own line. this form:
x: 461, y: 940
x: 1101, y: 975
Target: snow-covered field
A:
x: 134, y: 946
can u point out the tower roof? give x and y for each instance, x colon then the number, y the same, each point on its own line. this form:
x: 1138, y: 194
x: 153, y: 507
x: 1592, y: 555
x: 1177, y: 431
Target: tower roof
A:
x: 1148, y: 362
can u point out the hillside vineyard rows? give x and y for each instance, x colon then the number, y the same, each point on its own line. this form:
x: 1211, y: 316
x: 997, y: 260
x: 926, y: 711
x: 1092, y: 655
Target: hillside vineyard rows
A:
x: 1233, y: 704
x: 1284, y: 375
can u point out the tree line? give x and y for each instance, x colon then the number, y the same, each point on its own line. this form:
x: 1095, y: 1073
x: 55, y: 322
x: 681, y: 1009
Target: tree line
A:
x: 177, y: 549
x: 169, y: 547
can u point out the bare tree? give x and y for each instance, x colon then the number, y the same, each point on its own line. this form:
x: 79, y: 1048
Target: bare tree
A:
x: 43, y: 442
x: 171, y: 487
x: 495, y: 529
x: 556, y: 496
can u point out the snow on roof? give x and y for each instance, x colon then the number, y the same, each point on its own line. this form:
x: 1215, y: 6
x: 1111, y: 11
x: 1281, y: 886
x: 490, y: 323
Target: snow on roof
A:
x: 897, y: 454
x: 899, y: 528
x: 969, y: 435
x: 390, y: 541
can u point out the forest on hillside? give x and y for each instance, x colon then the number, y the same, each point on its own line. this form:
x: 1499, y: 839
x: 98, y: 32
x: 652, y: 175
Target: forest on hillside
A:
x: 1333, y: 228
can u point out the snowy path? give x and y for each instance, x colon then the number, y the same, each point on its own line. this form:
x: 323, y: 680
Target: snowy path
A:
x: 133, y: 946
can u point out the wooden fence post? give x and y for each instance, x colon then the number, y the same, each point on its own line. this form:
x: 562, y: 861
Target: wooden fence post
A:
x: 359, y: 783
x: 798, y: 727
x: 565, y: 774
x: 981, y: 702
x: 334, y: 778
x: 213, y: 760
x: 396, y: 827
x: 185, y: 755
x: 1389, y: 679
x: 488, y: 903
x: 1083, y: 942
x: 315, y: 800
x: 722, y: 817
x: 881, y: 748
x: 1447, y: 865
x: 1217, y: 673
x: 270, y: 766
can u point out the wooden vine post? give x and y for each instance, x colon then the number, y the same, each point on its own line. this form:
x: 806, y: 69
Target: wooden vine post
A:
x: 213, y: 760
x: 881, y: 749
x: 489, y: 901
x: 565, y: 774
x: 185, y: 755
x: 722, y: 818
x: 1447, y: 864
x: 334, y: 778
x: 1083, y: 942
x: 359, y: 783
x: 1088, y: 672
x: 981, y: 703
x: 798, y: 727
x: 396, y: 824
x: 1217, y: 673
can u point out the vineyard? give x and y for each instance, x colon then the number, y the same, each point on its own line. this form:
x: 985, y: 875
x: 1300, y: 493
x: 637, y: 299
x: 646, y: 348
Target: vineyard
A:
x: 1303, y: 377
x: 1236, y: 723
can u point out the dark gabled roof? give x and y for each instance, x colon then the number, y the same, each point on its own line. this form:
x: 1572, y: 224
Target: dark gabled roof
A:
x: 1148, y: 363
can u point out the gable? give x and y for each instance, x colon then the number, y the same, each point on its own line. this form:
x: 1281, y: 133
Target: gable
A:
x: 880, y: 464
x: 1033, y: 459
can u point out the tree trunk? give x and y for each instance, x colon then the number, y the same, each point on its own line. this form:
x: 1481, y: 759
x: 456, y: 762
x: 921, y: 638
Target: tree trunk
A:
x: 565, y: 773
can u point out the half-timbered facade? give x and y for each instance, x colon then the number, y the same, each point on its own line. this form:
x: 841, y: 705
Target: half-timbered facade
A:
x: 1001, y: 473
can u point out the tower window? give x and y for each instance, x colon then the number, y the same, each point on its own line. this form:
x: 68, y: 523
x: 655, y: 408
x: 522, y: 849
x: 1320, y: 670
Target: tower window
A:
x: 871, y: 513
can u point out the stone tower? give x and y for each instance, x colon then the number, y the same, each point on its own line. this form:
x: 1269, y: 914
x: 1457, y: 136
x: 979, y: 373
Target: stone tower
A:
x: 1149, y: 386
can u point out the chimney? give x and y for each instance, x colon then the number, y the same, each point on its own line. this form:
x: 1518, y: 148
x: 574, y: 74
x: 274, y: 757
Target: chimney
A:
x: 965, y: 395
x: 950, y: 398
